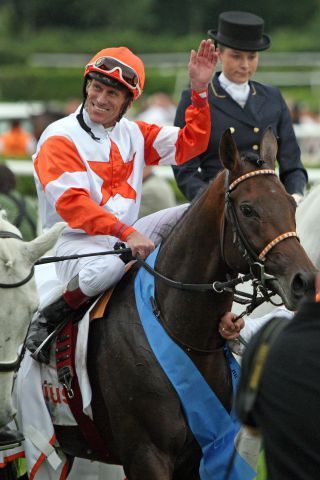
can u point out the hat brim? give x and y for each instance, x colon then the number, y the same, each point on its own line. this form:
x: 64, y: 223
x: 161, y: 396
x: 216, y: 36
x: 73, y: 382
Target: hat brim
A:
x: 246, y: 46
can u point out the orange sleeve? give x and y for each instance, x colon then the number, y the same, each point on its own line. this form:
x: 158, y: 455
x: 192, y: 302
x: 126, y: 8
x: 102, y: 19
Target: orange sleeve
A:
x: 193, y: 138
x: 185, y: 143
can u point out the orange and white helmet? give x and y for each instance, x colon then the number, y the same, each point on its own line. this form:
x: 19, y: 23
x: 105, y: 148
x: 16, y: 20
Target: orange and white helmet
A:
x: 120, y: 64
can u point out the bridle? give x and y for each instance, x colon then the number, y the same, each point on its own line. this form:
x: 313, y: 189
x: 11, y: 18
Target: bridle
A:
x: 14, y: 365
x: 254, y: 260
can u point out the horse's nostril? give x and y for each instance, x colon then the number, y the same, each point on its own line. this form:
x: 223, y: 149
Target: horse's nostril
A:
x: 304, y: 284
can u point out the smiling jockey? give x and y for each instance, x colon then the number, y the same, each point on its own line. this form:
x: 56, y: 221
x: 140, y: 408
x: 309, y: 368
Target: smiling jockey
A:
x: 89, y: 169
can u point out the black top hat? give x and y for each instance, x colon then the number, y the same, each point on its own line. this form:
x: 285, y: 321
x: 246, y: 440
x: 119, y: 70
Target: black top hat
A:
x: 241, y: 31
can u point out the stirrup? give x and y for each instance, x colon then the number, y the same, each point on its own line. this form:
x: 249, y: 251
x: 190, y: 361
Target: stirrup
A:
x: 16, y: 441
x: 36, y: 354
x: 9, y: 446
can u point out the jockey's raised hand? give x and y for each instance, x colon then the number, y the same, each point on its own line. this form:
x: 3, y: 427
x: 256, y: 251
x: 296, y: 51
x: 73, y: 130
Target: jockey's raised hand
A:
x: 202, y: 65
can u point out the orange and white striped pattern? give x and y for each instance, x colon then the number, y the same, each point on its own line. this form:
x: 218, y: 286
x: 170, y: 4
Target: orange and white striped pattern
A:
x: 95, y: 186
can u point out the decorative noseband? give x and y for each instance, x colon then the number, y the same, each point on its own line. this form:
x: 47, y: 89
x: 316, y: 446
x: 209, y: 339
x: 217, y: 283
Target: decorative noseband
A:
x: 274, y: 242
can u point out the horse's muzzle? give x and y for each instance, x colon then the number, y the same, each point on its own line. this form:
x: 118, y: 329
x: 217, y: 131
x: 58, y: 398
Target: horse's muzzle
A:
x: 303, y: 285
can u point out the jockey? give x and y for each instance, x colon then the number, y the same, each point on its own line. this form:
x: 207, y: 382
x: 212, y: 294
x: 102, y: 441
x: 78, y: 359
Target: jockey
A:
x: 89, y: 170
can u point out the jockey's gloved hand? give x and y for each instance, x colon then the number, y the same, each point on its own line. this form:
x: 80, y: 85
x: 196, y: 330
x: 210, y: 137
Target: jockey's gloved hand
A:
x: 126, y: 257
x: 298, y: 198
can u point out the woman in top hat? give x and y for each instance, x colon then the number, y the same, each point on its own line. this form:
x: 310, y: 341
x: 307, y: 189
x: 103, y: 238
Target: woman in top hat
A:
x: 244, y: 106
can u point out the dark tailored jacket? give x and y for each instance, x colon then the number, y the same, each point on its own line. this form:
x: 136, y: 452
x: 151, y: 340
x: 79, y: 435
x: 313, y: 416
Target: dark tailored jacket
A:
x: 265, y: 107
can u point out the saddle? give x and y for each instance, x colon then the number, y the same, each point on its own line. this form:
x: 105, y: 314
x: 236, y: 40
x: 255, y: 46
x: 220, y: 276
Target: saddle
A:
x: 90, y: 441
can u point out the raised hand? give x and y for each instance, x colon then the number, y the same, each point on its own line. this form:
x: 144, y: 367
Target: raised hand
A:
x: 202, y: 65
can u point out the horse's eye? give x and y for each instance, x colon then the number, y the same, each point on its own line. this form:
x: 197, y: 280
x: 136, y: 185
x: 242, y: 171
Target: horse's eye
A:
x: 247, y: 210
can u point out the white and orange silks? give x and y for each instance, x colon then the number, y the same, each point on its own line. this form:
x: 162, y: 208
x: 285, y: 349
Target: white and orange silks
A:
x: 95, y: 186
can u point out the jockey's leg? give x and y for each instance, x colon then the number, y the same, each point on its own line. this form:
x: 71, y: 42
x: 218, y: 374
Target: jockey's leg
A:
x: 158, y: 225
x: 91, y: 276
x: 88, y: 277
x: 47, y: 319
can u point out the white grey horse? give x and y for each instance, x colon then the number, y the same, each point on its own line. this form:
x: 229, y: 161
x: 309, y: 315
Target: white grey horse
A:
x: 18, y: 299
x: 17, y: 305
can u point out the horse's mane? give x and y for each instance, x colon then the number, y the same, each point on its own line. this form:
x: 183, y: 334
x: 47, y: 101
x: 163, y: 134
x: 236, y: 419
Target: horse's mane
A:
x: 168, y: 230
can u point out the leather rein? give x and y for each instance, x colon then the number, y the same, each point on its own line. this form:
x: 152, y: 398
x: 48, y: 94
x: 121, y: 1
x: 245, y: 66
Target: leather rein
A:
x: 255, y: 261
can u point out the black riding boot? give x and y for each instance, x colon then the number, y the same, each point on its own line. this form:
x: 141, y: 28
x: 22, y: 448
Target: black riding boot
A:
x: 46, y: 320
x: 10, y: 438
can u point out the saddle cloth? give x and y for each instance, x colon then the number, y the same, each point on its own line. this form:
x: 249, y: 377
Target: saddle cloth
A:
x: 41, y: 402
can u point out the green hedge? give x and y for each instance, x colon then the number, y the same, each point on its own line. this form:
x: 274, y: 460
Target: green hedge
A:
x: 47, y: 84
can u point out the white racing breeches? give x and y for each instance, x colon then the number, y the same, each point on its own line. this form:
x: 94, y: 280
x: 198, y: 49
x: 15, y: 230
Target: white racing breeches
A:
x: 96, y: 274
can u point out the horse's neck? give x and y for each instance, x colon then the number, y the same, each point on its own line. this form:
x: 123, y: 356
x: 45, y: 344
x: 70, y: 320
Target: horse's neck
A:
x: 192, y: 254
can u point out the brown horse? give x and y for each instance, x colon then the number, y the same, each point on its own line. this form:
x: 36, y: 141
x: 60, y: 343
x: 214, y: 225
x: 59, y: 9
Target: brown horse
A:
x: 244, y: 218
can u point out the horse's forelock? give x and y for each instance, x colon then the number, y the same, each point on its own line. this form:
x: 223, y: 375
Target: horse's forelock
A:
x: 252, y: 158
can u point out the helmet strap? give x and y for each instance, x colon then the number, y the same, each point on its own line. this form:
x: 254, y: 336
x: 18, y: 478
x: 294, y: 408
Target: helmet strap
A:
x: 125, y: 106
x: 83, y: 124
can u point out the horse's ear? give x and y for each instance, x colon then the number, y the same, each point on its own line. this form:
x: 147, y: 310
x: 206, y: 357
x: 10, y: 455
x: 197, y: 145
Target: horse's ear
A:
x: 229, y: 155
x: 40, y: 245
x: 269, y: 148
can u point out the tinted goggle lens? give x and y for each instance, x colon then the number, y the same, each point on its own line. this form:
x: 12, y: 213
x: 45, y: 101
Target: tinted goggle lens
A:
x: 128, y: 74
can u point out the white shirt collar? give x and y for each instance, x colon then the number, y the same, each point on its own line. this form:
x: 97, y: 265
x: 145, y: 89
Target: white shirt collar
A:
x: 238, y: 91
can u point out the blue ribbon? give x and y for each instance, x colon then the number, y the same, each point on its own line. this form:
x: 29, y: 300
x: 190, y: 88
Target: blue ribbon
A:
x: 212, y: 426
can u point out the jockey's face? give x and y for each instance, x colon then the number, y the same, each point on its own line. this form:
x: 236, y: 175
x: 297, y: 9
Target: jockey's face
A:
x: 104, y: 103
x: 238, y: 66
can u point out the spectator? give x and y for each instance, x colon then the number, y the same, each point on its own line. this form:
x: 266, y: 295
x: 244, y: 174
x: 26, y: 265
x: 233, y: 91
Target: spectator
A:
x: 161, y: 110
x: 287, y: 405
x: 17, y: 142
x: 278, y: 392
x: 42, y: 120
x: 157, y: 193
x: 21, y: 210
x: 244, y: 106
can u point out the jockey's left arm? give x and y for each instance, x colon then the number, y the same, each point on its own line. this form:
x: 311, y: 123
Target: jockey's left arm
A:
x: 172, y: 145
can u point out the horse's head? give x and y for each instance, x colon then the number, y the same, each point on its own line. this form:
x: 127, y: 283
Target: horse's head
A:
x: 260, y: 221
x: 18, y: 299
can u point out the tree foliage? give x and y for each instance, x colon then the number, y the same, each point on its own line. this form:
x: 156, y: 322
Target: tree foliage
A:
x: 150, y: 16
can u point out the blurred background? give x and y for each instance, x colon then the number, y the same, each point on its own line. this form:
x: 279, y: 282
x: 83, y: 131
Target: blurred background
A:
x: 44, y: 46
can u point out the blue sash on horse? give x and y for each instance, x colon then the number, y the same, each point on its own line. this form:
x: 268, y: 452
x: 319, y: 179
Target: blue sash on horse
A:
x: 212, y: 426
